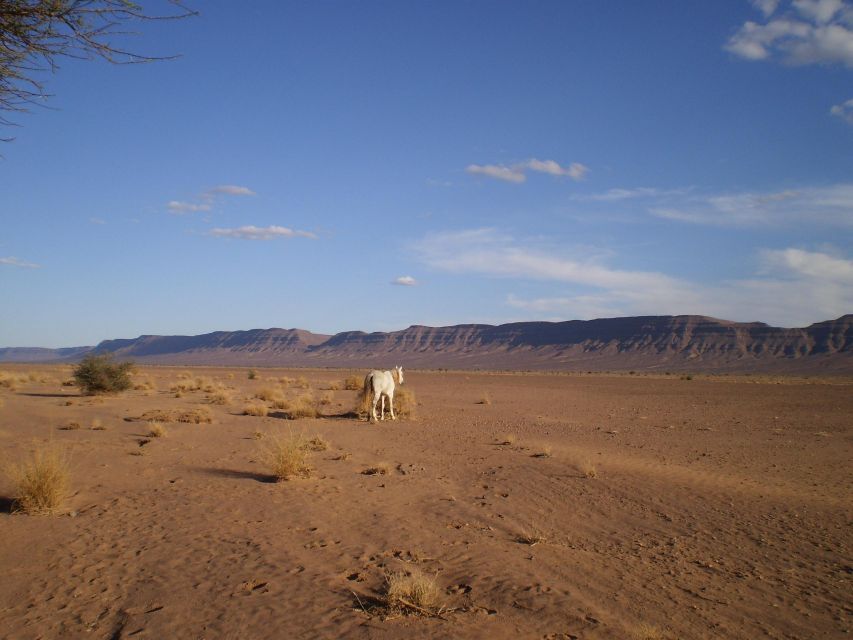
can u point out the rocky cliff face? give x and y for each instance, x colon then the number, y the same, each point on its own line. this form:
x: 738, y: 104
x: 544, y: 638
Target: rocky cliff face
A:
x: 675, y: 343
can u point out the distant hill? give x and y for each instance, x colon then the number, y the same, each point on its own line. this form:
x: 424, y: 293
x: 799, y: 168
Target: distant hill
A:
x: 676, y: 343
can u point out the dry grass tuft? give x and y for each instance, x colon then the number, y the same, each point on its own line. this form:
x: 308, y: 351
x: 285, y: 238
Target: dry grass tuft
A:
x: 252, y: 374
x: 405, y: 405
x: 256, y: 409
x: 257, y: 434
x: 354, y: 383
x: 413, y: 592
x: 333, y: 386
x: 485, y: 399
x: 301, y: 383
x: 381, y: 469
x: 219, y: 397
x: 302, y: 406
x: 156, y: 430
x: 286, y: 457
x: 198, y: 415
x: 325, y: 399
x: 184, y: 375
x: 545, y: 453
x: 286, y: 380
x: 648, y: 632
x: 143, y: 384
x: 508, y: 440
x: 317, y: 443
x: 530, y: 536
x: 71, y: 426
x: 97, y: 425
x: 41, y: 482
x: 269, y: 394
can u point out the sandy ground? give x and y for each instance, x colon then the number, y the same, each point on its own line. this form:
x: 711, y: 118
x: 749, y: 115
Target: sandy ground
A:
x: 667, y: 508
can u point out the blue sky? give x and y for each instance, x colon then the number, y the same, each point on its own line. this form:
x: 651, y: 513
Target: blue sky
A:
x: 338, y: 165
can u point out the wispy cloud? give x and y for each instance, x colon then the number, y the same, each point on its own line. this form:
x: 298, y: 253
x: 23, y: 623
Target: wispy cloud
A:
x: 613, y: 195
x: 826, y: 206
x: 497, y: 171
x: 844, y: 111
x: 575, y: 171
x: 12, y: 261
x: 405, y: 281
x: 516, y: 173
x: 790, y: 287
x: 251, y: 232
x: 97, y: 221
x: 207, y: 199
x: 229, y: 189
x: 804, y: 32
x: 178, y: 207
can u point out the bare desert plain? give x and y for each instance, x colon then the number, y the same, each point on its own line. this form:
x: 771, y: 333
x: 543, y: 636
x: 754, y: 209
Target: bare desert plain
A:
x: 541, y: 505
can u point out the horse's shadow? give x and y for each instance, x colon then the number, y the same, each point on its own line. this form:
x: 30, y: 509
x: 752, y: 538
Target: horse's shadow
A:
x: 346, y: 415
x: 238, y: 474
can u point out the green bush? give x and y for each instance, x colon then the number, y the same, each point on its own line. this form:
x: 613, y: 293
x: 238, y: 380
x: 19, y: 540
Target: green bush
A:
x: 98, y: 374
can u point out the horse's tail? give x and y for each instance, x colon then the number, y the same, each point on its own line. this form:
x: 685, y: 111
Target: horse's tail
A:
x: 364, y: 395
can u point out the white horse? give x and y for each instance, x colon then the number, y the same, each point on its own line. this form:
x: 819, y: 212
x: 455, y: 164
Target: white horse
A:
x: 381, y: 385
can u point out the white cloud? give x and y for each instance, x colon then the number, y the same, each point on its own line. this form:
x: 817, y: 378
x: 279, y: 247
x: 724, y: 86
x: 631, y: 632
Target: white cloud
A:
x: 231, y: 190
x: 613, y: 195
x: 791, y: 287
x: 405, y: 281
x: 12, y: 261
x: 809, y: 32
x: 97, y: 221
x: 208, y: 199
x: 830, y: 206
x: 251, y: 232
x: 497, y: 171
x: 767, y: 7
x: 575, y: 171
x: 809, y: 264
x: 844, y: 111
x: 515, y: 173
x: 178, y: 207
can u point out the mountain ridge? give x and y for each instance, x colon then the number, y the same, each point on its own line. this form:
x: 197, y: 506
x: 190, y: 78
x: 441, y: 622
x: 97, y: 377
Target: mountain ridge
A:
x: 687, y: 342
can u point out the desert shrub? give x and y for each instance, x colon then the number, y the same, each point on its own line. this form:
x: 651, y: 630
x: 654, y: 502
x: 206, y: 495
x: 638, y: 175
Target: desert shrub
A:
x: 380, y: 469
x: 41, y: 482
x: 285, y: 456
x: 184, y: 375
x: 412, y: 591
x: 156, y: 430
x: 256, y: 409
x: 252, y: 374
x: 530, y: 536
x: 286, y: 380
x: 219, y: 397
x: 301, y: 383
x: 332, y: 386
x: 485, y: 399
x: 317, y: 443
x: 143, y: 384
x: 97, y: 374
x: 325, y: 399
x: 354, y: 383
x: 404, y: 402
x: 198, y: 415
x: 269, y: 394
x: 303, y: 406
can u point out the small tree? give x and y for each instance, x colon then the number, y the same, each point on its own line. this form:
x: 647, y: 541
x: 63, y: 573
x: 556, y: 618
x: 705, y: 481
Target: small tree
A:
x: 98, y: 374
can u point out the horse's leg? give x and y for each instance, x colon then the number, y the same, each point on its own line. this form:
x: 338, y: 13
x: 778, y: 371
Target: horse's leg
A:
x: 373, y: 408
x: 391, y: 404
x: 383, y: 408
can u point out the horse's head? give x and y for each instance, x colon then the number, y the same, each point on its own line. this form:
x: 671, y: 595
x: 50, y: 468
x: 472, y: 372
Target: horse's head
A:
x: 399, y: 371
